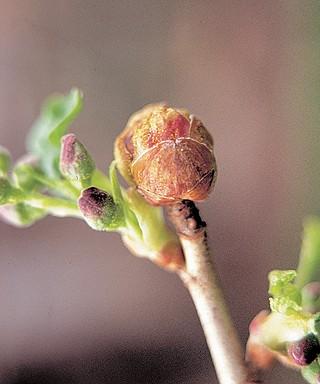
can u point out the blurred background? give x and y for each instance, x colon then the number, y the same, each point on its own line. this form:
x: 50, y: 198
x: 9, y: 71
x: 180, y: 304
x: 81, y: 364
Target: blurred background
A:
x: 75, y: 306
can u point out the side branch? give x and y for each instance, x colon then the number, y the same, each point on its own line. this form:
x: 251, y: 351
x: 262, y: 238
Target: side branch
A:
x: 201, y: 280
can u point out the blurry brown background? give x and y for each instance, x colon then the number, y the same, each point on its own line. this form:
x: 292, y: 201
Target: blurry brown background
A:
x: 75, y: 306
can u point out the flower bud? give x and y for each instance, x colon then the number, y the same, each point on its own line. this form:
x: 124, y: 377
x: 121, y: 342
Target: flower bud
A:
x: 76, y: 165
x: 304, y: 351
x: 168, y: 154
x: 99, y: 209
x: 5, y: 161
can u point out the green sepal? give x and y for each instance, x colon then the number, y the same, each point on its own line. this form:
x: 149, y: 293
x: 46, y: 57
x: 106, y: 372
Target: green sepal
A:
x: 5, y: 161
x: 44, y: 139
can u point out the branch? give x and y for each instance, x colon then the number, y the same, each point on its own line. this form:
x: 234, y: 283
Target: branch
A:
x: 202, y: 282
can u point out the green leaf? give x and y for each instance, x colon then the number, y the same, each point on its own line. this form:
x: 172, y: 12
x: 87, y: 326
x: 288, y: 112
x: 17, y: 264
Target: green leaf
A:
x: 29, y: 215
x: 280, y: 280
x: 8, y: 193
x: 284, y: 305
x: 311, y: 373
x: 286, y: 296
x: 21, y: 214
x: 127, y: 208
x: 150, y: 219
x: 116, y: 189
x: 309, y: 264
x: 25, y: 176
x: 44, y: 139
x: 5, y: 161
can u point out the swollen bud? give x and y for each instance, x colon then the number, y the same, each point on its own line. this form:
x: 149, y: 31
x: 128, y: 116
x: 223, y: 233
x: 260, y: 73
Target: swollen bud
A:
x: 168, y: 154
x: 5, y: 161
x: 99, y: 210
x: 305, y: 351
x: 76, y: 165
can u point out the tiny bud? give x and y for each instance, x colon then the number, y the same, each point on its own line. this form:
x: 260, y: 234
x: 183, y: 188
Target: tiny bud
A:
x: 168, y: 154
x: 76, y: 165
x: 99, y: 209
x: 5, y: 161
x: 304, y: 351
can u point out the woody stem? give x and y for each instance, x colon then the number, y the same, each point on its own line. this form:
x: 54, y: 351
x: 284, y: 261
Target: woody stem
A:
x: 201, y: 280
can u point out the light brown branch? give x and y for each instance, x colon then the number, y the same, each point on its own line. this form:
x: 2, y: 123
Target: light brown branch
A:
x: 201, y: 280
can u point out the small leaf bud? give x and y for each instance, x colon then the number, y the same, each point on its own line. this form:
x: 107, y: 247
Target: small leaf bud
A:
x: 168, y: 154
x: 76, y: 165
x: 99, y: 210
x: 304, y: 351
x: 5, y: 161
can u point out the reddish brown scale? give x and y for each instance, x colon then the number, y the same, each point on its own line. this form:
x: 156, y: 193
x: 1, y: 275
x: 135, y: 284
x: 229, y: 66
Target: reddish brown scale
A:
x: 167, y: 154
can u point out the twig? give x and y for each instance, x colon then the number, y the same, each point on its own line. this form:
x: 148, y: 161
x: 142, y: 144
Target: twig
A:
x: 202, y: 282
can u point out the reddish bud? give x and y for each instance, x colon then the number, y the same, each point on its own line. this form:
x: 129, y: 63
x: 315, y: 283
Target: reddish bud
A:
x: 99, y: 209
x: 168, y: 154
x: 304, y: 351
x: 75, y: 162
